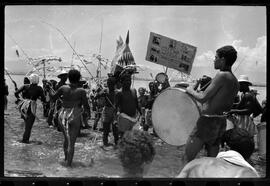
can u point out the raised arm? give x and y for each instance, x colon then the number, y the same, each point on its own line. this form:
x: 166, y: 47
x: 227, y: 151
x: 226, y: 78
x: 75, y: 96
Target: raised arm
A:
x: 19, y: 91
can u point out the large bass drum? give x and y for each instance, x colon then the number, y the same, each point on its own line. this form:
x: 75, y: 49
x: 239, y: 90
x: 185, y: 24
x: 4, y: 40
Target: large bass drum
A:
x: 174, y: 115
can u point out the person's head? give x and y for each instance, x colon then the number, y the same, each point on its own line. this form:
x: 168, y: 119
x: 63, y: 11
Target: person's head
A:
x: 153, y: 87
x: 74, y: 76
x: 225, y: 57
x: 53, y: 82
x: 126, y: 81
x: 26, y: 80
x: 63, y: 75
x: 244, y: 83
x: 239, y: 140
x: 141, y: 91
x: 34, y: 79
x: 136, y: 152
x: 111, y: 83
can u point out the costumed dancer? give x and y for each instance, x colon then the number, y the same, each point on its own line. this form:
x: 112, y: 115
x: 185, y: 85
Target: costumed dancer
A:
x: 127, y: 105
x: 52, y: 119
x: 69, y: 118
x: 109, y: 112
x: 99, y: 104
x: 28, y: 105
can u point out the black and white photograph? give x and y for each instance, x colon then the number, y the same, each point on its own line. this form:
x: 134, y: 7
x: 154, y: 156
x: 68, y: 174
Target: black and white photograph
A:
x: 82, y: 101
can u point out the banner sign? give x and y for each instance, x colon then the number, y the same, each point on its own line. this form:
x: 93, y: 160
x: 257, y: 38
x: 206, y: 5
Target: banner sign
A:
x: 170, y: 53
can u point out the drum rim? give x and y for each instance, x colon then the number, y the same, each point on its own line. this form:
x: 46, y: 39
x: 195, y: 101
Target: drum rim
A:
x: 183, y: 90
x: 161, y: 73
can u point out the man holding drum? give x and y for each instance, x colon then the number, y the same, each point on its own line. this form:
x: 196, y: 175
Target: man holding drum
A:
x: 216, y: 99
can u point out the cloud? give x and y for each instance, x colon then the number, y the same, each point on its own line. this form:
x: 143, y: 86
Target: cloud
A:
x: 204, y: 59
x: 250, y: 58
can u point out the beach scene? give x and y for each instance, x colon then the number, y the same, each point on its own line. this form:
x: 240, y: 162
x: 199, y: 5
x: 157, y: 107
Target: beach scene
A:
x: 155, y: 44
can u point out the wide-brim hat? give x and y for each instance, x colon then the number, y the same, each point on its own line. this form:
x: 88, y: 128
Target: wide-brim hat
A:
x: 62, y: 73
x: 244, y: 78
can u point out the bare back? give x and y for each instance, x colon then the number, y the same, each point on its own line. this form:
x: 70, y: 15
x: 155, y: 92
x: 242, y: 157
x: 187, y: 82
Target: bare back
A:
x: 73, y: 96
x: 220, y: 94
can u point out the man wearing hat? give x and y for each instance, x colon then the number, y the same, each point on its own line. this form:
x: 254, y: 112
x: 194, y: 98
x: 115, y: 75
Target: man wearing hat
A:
x: 248, y: 107
x: 63, y: 75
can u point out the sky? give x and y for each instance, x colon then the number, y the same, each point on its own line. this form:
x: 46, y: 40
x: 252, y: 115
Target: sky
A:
x: 205, y: 27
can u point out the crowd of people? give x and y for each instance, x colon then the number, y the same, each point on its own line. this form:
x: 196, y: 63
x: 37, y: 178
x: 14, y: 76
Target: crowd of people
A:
x: 118, y: 107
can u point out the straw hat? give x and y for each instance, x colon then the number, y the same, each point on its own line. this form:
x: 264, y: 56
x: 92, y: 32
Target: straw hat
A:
x: 62, y: 73
x: 244, y: 78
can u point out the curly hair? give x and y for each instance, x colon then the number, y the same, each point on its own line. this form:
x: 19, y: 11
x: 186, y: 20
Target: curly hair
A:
x: 135, y: 149
x: 239, y: 140
x: 229, y: 53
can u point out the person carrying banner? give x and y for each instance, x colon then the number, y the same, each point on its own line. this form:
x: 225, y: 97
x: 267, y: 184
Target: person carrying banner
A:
x: 69, y: 117
x: 28, y: 105
x: 216, y: 99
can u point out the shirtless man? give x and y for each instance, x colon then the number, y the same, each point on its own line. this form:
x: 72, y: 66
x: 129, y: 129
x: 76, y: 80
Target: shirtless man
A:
x: 70, y: 114
x: 216, y: 99
x: 27, y: 106
x: 127, y: 105
x: 229, y: 164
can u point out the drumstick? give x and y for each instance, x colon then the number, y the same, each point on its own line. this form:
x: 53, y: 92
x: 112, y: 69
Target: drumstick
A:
x: 205, y: 85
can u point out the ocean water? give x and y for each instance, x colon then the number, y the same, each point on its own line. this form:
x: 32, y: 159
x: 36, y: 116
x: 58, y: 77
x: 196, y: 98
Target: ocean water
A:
x: 135, y: 84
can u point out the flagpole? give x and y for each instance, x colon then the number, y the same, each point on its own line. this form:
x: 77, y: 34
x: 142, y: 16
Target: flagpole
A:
x: 99, y: 58
x: 20, y: 48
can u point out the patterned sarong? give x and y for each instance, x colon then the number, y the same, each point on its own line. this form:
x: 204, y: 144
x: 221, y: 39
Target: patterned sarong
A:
x: 24, y: 105
x: 68, y: 116
x: 245, y: 122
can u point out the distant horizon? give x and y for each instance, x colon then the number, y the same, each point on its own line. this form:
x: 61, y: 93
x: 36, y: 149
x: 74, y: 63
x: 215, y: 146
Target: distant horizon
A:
x: 254, y: 84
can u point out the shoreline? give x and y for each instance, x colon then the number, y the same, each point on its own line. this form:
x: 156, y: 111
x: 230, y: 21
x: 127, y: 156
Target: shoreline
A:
x: 149, y: 79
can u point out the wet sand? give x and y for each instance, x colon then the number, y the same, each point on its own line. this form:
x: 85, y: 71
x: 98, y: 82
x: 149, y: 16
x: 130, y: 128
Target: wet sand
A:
x: 44, y: 156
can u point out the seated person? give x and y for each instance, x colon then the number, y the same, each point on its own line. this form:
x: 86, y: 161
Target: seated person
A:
x: 136, y: 152
x: 229, y: 164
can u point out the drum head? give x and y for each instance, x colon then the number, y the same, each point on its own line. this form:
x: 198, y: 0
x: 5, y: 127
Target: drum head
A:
x: 161, y: 77
x: 174, y: 115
